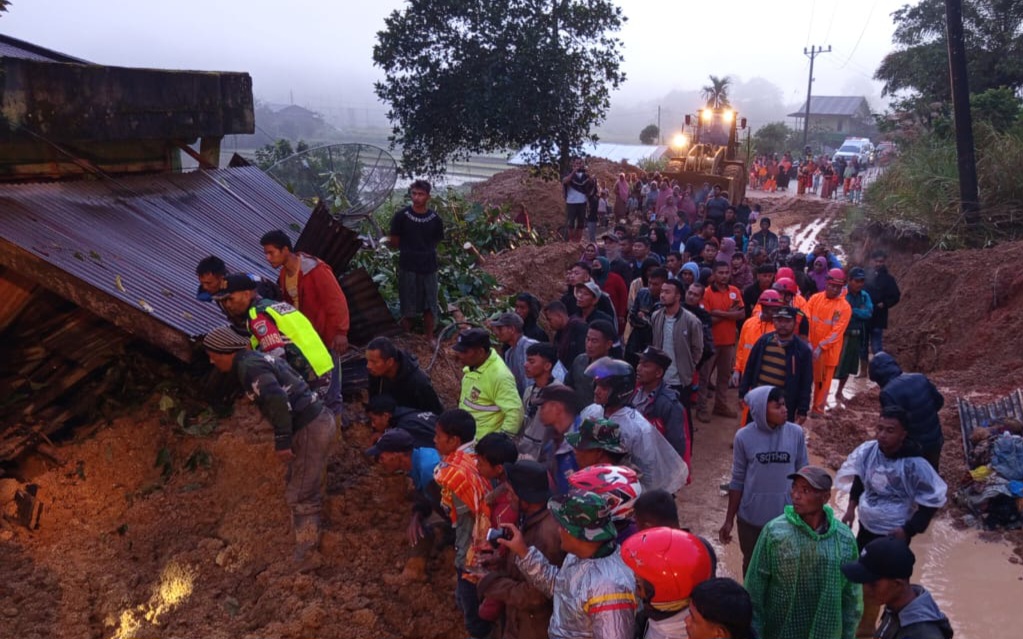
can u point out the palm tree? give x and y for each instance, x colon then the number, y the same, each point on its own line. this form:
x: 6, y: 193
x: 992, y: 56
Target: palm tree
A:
x: 716, y: 93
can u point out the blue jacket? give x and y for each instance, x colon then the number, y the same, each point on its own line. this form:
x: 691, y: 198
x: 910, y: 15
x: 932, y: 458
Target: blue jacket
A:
x: 915, y: 394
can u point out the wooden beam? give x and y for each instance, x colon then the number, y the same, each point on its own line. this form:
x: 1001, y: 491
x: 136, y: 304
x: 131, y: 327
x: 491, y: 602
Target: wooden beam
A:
x: 134, y: 320
x: 15, y: 292
x: 209, y: 150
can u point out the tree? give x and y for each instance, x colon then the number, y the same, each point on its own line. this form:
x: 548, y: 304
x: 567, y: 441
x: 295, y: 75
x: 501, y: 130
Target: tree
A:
x: 998, y: 107
x: 771, y: 138
x: 464, y: 78
x: 993, y: 31
x: 650, y: 134
x: 716, y: 93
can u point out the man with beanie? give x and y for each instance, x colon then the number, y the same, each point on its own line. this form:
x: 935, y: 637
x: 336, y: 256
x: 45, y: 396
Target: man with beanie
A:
x: 764, y: 453
x: 527, y: 610
x: 884, y: 568
x: 593, y: 591
x: 795, y: 576
x: 303, y: 430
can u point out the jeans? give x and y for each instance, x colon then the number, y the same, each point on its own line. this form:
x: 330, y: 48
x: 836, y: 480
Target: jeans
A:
x: 876, y: 340
x: 468, y: 602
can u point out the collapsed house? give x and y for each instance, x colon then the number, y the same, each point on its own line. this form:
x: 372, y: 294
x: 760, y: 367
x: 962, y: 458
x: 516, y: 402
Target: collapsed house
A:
x: 100, y: 229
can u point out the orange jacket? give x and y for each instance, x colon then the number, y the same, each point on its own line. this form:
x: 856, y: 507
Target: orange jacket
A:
x: 828, y: 319
x: 752, y: 329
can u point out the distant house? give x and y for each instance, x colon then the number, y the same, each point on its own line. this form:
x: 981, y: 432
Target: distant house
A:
x: 847, y: 115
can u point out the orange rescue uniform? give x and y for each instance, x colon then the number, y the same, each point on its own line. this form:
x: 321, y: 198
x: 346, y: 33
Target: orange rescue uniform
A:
x: 828, y: 321
x: 752, y: 329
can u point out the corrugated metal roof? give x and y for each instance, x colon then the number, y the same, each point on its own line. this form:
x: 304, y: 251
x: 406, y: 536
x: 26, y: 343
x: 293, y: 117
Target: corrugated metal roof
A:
x: 832, y: 105
x: 138, y: 239
x: 15, y: 48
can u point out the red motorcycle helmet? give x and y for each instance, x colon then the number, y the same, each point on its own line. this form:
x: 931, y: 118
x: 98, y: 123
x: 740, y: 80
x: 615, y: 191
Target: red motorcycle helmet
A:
x: 672, y: 561
x: 784, y: 271
x: 618, y: 485
x: 771, y: 297
x: 837, y: 275
x: 786, y: 284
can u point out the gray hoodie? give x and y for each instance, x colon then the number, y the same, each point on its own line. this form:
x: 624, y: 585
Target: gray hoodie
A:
x: 762, y: 459
x: 921, y: 619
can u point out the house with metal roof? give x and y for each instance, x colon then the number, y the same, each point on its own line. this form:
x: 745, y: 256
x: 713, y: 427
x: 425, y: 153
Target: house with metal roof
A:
x: 100, y: 230
x: 847, y: 115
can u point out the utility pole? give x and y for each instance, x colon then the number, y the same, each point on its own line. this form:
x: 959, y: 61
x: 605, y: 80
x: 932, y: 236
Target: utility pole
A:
x: 969, y: 204
x: 660, y: 138
x: 811, y: 53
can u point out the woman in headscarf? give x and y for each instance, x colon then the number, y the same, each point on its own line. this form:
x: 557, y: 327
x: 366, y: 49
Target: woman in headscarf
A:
x: 590, y: 252
x: 742, y: 274
x: 819, y: 272
x: 659, y: 241
x: 726, y: 251
x: 687, y: 205
x: 612, y: 284
x: 621, y: 198
x: 527, y: 306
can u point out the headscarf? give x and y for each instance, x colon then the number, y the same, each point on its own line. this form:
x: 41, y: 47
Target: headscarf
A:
x: 600, y: 277
x: 726, y: 251
x: 742, y: 275
x: 819, y: 278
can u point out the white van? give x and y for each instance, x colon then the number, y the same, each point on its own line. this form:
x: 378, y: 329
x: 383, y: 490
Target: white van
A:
x: 860, y: 148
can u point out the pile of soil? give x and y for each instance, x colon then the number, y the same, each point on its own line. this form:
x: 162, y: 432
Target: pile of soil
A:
x: 539, y: 270
x: 136, y: 540
x: 960, y: 316
x: 544, y: 199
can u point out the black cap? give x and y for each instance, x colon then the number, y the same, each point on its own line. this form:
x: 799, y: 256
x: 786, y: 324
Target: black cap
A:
x: 529, y: 481
x: 394, y: 440
x: 787, y: 312
x: 472, y: 338
x: 857, y: 273
x: 235, y: 282
x: 657, y: 356
x: 884, y: 558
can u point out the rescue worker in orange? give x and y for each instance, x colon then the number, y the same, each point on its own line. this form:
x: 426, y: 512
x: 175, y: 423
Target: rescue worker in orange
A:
x: 829, y: 314
x: 759, y: 324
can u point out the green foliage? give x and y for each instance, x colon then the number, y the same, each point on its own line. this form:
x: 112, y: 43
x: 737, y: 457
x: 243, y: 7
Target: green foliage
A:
x: 461, y: 280
x: 999, y: 108
x: 653, y: 166
x: 771, y: 138
x: 716, y: 93
x: 993, y: 30
x: 649, y: 134
x: 471, y: 78
x: 922, y: 188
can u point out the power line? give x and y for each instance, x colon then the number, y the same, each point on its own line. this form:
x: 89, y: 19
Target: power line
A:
x: 812, y: 53
x: 866, y: 24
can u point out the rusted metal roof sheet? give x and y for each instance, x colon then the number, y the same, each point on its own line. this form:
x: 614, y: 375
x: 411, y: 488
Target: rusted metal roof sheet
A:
x: 369, y: 314
x: 134, y: 242
x: 328, y: 239
x: 15, y: 48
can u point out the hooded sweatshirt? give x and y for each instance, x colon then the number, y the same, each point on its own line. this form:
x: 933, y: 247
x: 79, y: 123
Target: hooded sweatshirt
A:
x: 410, y: 388
x: 920, y: 619
x: 693, y: 268
x: 762, y: 459
x: 915, y: 394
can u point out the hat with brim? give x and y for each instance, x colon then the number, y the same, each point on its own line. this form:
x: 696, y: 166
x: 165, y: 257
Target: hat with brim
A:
x: 529, y: 480
x: 816, y: 476
x: 394, y: 440
x: 656, y: 356
x: 591, y: 287
x: 883, y: 558
x: 472, y: 338
x: 786, y: 312
x: 601, y: 434
x: 234, y: 283
x: 583, y: 515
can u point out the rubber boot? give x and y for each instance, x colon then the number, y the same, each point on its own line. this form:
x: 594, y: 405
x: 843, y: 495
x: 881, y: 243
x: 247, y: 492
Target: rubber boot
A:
x: 864, y: 363
x: 307, y: 542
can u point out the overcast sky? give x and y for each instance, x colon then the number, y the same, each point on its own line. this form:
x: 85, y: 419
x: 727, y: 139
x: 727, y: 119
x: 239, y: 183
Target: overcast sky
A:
x: 321, y: 52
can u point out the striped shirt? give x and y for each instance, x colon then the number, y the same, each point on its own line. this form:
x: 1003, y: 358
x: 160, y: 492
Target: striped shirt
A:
x: 772, y: 365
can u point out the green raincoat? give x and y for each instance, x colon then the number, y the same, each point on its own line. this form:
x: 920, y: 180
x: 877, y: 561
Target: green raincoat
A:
x: 796, y: 584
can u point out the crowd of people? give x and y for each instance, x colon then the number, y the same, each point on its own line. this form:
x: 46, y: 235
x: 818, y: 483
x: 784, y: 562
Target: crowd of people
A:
x: 556, y: 473
x: 840, y: 178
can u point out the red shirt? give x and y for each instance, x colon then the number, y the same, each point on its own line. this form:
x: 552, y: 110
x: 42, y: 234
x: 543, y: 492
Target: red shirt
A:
x: 724, y: 331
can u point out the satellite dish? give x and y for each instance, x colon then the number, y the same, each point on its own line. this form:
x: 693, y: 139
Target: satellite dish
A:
x: 354, y: 179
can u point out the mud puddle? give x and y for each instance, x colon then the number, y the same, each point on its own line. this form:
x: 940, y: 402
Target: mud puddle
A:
x: 973, y: 580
